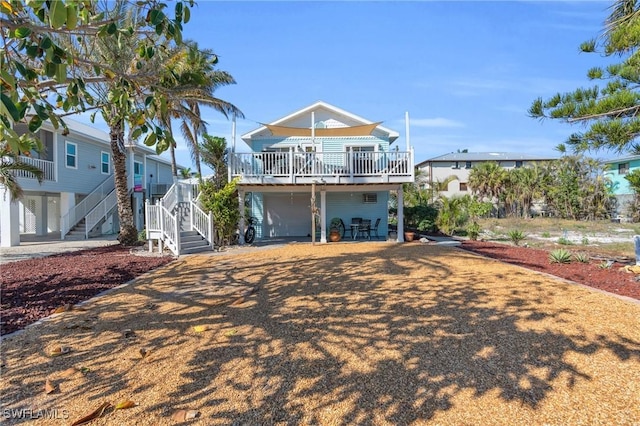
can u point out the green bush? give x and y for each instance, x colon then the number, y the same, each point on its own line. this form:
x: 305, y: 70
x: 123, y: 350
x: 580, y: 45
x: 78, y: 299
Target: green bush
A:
x: 564, y: 241
x: 223, y: 204
x: 560, y: 256
x: 516, y: 235
x: 421, y: 217
x: 546, y: 234
x: 142, y: 235
x: 473, y: 230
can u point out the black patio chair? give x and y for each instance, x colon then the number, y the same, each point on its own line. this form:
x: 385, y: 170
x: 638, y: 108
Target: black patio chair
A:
x: 374, y: 229
x: 365, y: 228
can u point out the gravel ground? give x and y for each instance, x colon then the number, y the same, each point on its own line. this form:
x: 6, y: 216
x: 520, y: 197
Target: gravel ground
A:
x: 367, y: 333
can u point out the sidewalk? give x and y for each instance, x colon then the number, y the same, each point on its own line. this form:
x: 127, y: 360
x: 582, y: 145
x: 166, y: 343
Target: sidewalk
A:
x: 32, y: 246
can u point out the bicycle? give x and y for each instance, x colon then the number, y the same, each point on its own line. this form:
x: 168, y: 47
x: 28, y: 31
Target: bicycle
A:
x: 250, y: 233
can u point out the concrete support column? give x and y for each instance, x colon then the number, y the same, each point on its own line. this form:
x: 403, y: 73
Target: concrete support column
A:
x: 42, y: 216
x: 67, y: 202
x: 9, y: 220
x: 400, y: 199
x: 323, y: 216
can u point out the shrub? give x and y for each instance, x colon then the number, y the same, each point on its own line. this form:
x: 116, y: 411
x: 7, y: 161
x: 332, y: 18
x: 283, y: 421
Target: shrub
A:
x: 564, y: 241
x: 473, y: 230
x: 560, y: 256
x: 142, y: 235
x: 516, y: 235
x: 581, y: 257
x: 546, y: 234
x: 585, y: 241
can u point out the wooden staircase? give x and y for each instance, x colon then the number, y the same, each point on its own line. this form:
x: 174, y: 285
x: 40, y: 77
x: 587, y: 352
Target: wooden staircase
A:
x: 190, y: 241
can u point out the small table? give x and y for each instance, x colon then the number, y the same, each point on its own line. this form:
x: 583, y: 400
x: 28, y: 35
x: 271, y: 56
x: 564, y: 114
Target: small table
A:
x: 354, y: 230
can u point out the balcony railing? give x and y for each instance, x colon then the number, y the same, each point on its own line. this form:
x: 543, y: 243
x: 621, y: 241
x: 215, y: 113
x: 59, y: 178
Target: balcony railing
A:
x: 46, y: 166
x: 297, y: 166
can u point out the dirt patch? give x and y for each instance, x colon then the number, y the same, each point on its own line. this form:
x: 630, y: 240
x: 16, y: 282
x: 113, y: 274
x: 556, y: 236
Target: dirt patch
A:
x: 373, y: 333
x: 612, y: 279
x: 33, y: 289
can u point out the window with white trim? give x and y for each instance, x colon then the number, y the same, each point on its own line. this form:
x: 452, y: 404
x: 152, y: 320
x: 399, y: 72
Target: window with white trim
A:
x: 623, y: 168
x: 105, y: 163
x: 71, y: 155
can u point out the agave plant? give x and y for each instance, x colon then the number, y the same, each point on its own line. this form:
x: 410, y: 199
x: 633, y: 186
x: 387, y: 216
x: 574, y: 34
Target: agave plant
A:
x: 516, y: 235
x: 560, y: 256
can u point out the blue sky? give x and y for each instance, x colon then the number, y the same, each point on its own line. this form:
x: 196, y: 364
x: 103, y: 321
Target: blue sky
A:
x: 465, y: 71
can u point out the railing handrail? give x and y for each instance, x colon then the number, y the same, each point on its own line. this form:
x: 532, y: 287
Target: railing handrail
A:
x: 100, y: 211
x: 202, y: 222
x: 46, y: 166
x: 88, y: 203
x: 169, y: 229
x: 339, y: 163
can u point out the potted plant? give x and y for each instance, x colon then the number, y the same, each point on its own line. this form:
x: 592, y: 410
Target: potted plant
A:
x: 409, y: 235
x: 336, y: 229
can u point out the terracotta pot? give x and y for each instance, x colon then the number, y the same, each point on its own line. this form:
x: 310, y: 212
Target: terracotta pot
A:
x: 408, y: 236
x: 334, y: 236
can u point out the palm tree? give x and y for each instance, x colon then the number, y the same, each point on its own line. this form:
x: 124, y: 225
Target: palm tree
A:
x: 214, y: 153
x: 189, y: 82
x: 487, y: 180
x: 9, y: 164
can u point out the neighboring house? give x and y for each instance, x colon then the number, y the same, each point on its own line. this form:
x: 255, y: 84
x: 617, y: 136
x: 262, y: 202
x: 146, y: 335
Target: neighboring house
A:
x: 438, y: 169
x: 616, y: 170
x: 350, y: 164
x: 77, y: 198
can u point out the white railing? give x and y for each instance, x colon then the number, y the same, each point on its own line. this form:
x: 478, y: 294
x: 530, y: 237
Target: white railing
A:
x: 170, y: 199
x: 162, y: 223
x: 163, y: 226
x: 100, y: 211
x: 202, y: 222
x: 80, y: 210
x: 311, y: 164
x: 47, y: 167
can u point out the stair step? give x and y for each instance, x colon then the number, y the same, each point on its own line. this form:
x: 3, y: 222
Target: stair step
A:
x: 191, y: 244
x: 198, y: 249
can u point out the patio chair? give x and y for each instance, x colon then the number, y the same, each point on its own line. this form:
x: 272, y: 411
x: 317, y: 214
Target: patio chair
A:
x: 355, y: 229
x: 374, y: 229
x: 365, y: 228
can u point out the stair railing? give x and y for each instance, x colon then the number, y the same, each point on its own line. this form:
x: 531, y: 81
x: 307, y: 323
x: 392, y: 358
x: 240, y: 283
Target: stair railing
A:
x: 100, y: 212
x: 80, y: 210
x: 202, y: 222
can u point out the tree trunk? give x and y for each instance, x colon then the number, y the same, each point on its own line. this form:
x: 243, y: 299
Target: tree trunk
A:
x: 174, y: 167
x: 128, y: 232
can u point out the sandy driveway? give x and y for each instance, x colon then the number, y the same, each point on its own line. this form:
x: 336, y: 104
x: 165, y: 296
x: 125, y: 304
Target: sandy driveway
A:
x: 363, y: 333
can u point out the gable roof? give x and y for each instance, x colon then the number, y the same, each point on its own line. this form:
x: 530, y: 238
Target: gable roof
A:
x: 487, y: 156
x: 351, y: 120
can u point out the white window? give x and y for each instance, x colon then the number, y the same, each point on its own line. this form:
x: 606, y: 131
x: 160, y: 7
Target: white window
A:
x: 71, y: 150
x: 105, y: 163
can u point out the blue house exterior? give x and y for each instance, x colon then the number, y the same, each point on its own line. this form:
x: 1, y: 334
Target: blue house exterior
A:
x: 76, y: 198
x: 323, y: 160
x: 616, y: 171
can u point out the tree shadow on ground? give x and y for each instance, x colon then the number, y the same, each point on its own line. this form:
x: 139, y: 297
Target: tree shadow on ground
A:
x: 392, y: 335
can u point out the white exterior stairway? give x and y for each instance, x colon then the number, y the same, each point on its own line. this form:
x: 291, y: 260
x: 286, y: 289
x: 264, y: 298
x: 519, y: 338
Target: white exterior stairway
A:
x: 178, y: 222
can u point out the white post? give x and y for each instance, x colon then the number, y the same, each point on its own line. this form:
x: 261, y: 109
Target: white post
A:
x: 231, y: 162
x: 210, y: 225
x: 406, y: 129
x: 9, y: 220
x: 241, y: 224
x: 313, y: 212
x: 323, y: 216
x: 400, y: 199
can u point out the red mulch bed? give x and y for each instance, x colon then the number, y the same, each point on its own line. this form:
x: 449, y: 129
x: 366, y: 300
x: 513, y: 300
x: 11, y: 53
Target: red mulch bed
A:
x: 33, y: 289
x: 614, y: 280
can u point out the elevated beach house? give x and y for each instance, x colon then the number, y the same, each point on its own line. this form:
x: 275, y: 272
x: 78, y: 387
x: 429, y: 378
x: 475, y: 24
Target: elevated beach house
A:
x: 321, y: 164
x: 77, y: 197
